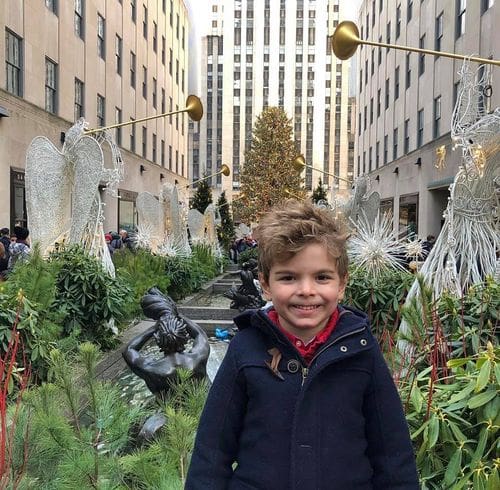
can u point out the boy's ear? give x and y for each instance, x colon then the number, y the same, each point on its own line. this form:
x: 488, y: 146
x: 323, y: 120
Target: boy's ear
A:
x: 343, y: 285
x: 265, y: 287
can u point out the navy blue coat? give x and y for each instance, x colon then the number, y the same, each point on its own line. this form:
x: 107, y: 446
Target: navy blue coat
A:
x: 336, y: 424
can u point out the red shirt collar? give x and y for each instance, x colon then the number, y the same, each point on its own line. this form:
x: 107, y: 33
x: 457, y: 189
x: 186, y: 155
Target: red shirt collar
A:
x: 307, y: 351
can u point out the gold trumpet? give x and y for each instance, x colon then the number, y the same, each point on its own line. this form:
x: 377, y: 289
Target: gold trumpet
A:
x: 345, y: 41
x: 194, y: 108
x: 224, y: 170
x: 300, y: 163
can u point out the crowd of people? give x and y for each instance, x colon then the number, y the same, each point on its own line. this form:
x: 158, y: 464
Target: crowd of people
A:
x: 240, y: 245
x: 16, y: 246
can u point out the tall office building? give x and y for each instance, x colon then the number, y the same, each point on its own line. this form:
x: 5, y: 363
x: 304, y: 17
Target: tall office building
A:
x: 261, y: 53
x: 406, y: 100
x: 107, y: 61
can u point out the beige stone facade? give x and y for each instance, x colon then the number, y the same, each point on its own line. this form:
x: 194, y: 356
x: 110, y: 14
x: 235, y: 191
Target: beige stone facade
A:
x: 405, y: 101
x: 106, y: 60
x: 273, y: 53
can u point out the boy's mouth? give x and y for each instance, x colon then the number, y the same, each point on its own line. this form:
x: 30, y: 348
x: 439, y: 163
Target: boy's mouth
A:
x: 306, y: 307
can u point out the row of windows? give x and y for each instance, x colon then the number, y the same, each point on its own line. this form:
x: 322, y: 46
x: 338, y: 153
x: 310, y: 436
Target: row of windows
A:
x: 79, y: 18
x: 406, y: 139
x: 14, y: 73
x: 460, y: 13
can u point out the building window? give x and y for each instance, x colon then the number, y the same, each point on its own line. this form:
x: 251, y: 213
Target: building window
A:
x: 386, y: 148
x: 461, y: 7
x: 50, y: 86
x: 380, y: 52
x: 144, y: 141
x: 132, y: 136
x: 101, y: 29
x: 162, y: 151
x: 379, y: 101
x: 420, y: 128
x: 439, y: 32
x: 396, y: 83
x: 409, y: 10
x: 155, y: 37
x: 127, y: 211
x: 421, y: 56
x: 377, y: 154
x: 163, y: 48
x: 51, y: 5
x: 144, y: 82
x: 154, y: 92
x: 170, y: 61
x: 78, y: 99
x: 408, y: 217
x: 13, y: 63
x: 145, y: 22
x: 154, y: 147
x: 486, y: 4
x: 395, y: 144
x: 132, y: 69
x: 133, y: 11
x: 387, y: 82
x: 408, y: 71
x: 118, y: 54
x: 79, y: 11
x: 118, y: 120
x: 407, y: 137
x: 371, y: 110
x: 388, y: 33
x: 436, y: 130
x: 101, y: 120
x: 398, y: 21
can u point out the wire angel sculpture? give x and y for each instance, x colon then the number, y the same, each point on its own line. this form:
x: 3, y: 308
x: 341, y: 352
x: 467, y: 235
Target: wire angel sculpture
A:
x: 466, y: 249
x: 162, y: 226
x: 62, y: 190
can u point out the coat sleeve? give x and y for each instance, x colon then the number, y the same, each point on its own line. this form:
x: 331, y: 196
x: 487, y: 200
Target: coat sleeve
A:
x: 389, y: 445
x: 216, y: 443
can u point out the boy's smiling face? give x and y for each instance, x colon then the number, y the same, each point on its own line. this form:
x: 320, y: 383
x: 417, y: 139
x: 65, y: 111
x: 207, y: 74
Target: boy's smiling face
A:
x: 305, y: 290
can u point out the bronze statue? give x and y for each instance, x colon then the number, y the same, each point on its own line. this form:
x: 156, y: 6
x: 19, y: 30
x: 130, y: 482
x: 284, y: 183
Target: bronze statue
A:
x: 247, y: 295
x: 171, y: 332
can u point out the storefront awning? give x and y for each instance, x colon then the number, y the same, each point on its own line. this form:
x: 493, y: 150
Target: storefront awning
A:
x: 440, y: 184
x: 4, y: 112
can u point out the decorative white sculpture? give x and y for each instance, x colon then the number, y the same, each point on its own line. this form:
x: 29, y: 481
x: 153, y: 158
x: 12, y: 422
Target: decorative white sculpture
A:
x: 62, y: 190
x: 465, y: 251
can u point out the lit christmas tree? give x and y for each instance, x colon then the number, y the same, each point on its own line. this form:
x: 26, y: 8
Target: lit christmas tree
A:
x: 268, y: 176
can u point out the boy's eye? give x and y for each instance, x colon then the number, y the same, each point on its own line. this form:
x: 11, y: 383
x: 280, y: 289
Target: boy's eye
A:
x: 285, y: 278
x: 324, y: 277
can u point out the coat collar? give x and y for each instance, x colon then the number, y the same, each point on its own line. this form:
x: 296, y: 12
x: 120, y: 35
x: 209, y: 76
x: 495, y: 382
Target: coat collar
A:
x: 350, y: 321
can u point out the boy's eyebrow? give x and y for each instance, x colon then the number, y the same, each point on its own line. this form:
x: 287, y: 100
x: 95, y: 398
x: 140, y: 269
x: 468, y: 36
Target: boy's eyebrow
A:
x: 291, y: 271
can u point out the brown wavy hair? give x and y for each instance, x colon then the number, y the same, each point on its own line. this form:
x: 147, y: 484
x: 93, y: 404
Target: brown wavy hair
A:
x: 289, y: 228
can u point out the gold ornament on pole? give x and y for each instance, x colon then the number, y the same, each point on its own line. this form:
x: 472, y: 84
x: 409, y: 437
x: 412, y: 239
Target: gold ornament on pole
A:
x: 194, y: 108
x: 300, y: 163
x: 224, y: 170
x: 345, y: 41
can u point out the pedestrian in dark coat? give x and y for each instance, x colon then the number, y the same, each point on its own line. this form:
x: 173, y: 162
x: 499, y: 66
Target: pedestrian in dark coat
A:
x: 303, y: 399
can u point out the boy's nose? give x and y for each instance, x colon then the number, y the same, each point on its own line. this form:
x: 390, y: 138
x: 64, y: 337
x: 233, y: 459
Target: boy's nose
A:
x: 306, y: 287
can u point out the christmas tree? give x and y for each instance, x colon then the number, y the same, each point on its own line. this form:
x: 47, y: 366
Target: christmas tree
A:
x: 202, y: 197
x: 268, y: 176
x: 319, y: 194
x: 225, y: 230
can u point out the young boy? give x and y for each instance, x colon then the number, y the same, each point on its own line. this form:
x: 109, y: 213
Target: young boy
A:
x: 303, y: 399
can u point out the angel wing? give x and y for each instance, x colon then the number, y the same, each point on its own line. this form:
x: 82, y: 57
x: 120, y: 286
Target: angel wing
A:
x: 48, y: 191
x: 87, y: 159
x: 150, y: 218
